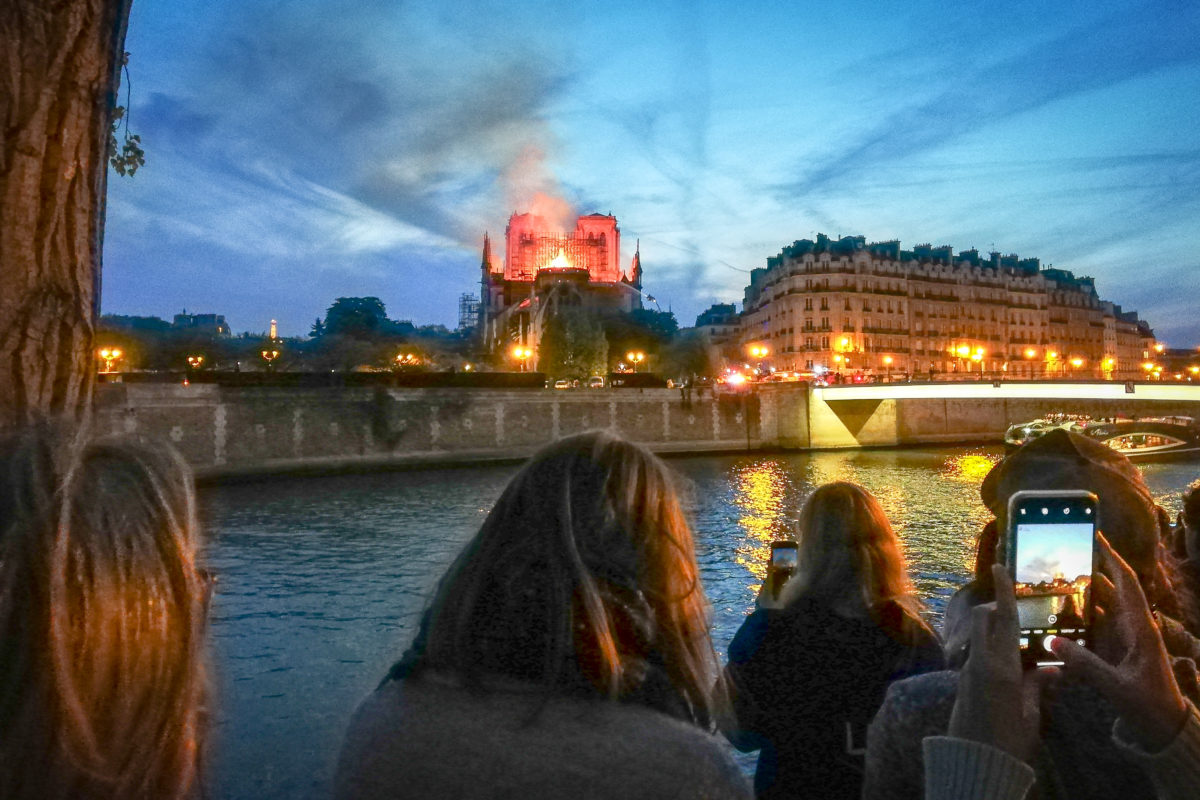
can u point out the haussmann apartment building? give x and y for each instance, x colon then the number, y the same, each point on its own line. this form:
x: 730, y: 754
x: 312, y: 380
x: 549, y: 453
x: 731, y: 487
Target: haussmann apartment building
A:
x: 850, y: 307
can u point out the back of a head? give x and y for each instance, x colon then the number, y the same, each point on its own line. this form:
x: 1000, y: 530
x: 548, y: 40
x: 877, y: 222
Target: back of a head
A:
x: 1066, y: 460
x: 102, y: 618
x: 582, y: 579
x: 849, y: 556
x: 1191, y: 507
x: 1128, y: 515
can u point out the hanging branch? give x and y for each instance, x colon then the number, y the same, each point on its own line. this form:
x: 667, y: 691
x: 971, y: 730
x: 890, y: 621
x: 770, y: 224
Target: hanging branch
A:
x: 131, y: 155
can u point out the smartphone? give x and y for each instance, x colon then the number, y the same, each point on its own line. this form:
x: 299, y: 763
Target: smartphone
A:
x: 784, y: 556
x: 781, y: 565
x: 1050, y: 553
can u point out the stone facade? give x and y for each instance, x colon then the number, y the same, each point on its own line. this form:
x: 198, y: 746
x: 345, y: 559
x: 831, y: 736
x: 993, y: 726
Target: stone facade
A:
x: 850, y: 307
x: 226, y: 431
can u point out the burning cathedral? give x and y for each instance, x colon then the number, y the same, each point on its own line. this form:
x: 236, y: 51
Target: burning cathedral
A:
x: 546, y: 270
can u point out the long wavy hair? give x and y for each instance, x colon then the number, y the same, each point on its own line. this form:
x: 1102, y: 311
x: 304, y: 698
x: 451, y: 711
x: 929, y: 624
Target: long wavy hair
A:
x: 582, y: 580
x: 102, y: 620
x: 850, y: 557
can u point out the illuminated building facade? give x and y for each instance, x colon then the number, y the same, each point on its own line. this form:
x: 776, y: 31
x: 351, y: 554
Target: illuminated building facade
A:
x: 545, y: 270
x: 853, y: 307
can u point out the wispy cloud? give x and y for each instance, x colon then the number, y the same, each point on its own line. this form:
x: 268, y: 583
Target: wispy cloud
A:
x: 1119, y: 48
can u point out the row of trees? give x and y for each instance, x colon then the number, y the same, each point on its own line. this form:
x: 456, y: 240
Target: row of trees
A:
x: 356, y: 333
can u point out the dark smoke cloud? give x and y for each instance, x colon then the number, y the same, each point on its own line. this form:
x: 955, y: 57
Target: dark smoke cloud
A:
x: 433, y: 134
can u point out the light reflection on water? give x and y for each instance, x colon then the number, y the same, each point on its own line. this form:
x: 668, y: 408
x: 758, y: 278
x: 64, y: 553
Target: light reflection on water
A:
x: 322, y: 581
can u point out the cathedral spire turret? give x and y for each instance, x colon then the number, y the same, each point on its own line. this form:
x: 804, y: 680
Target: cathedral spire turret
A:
x: 635, y: 267
x: 486, y: 263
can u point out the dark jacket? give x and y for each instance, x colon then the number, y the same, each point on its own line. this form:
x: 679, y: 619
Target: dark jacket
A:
x: 803, y: 677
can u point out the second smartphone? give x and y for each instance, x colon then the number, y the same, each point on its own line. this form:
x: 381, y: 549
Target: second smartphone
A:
x: 1050, y: 552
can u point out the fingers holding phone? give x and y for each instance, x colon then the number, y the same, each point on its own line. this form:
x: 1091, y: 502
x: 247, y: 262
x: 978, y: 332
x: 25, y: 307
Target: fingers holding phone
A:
x: 998, y: 700
x: 1137, y: 679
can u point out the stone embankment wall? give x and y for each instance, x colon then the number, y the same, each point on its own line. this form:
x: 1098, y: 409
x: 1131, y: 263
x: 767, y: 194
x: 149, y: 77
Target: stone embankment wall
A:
x: 226, y: 431
x: 247, y: 431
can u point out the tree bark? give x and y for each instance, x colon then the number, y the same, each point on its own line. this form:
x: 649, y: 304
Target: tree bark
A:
x: 60, y: 68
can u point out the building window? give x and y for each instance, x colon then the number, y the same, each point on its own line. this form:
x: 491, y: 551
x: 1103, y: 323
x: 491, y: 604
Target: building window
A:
x: 824, y: 304
x: 808, y: 364
x: 824, y: 342
x: 808, y: 304
x: 847, y: 303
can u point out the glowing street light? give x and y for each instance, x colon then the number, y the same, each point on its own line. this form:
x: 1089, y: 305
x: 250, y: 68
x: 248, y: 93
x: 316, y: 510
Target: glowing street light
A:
x: 963, y: 350
x: 194, y: 362
x: 1077, y: 362
x: 110, y: 356
x: 269, y: 356
x: 1030, y: 352
x: 407, y: 359
x: 522, y: 355
x: 1158, y: 347
x: 759, y: 351
x: 844, y: 343
x: 635, y: 357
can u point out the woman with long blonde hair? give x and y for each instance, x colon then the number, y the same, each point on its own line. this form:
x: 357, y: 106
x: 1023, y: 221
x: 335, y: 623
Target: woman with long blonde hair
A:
x: 566, y: 652
x: 809, y: 672
x: 103, y: 610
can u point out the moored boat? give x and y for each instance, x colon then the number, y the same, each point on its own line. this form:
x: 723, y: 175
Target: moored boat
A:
x: 1143, y: 439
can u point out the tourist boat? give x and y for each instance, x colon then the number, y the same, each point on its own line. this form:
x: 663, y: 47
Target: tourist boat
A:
x: 1144, y: 439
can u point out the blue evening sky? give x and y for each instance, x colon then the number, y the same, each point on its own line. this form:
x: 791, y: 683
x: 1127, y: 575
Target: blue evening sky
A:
x: 301, y: 150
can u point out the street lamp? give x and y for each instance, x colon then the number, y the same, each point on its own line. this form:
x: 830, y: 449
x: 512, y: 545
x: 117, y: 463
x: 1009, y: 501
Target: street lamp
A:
x: 887, y: 367
x: 635, y: 357
x: 269, y: 356
x: 407, y: 360
x: 110, y: 355
x: 522, y: 354
x: 194, y: 362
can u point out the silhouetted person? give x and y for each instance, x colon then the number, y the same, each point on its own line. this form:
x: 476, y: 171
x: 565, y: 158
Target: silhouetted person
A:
x: 808, y: 673
x: 566, y: 652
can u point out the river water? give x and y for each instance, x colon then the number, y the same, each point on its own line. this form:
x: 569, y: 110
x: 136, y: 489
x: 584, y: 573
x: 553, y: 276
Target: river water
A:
x: 322, y: 580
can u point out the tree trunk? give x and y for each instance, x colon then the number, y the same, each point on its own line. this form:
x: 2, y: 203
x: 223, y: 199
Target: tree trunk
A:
x: 60, y: 63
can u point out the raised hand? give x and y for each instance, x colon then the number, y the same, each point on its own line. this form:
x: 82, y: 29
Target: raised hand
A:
x: 997, y: 701
x: 1139, y: 683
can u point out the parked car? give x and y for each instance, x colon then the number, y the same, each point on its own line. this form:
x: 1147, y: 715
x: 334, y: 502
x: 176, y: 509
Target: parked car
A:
x: 595, y: 382
x: 562, y: 384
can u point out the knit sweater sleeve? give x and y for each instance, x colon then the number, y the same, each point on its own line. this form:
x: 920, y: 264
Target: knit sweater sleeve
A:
x: 958, y: 769
x: 1175, y: 770
x: 912, y: 709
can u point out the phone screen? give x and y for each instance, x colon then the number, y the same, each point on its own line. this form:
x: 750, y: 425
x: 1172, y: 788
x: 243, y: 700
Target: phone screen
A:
x: 1051, y: 543
x: 784, y: 557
